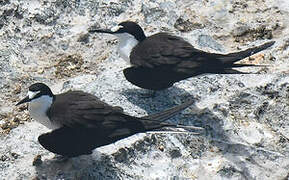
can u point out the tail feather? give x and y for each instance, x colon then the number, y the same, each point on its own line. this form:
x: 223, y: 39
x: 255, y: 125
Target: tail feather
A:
x: 234, y: 57
x: 189, y: 127
x: 150, y: 125
x: 234, y: 71
x: 250, y: 65
x: 155, y: 121
x: 166, y: 114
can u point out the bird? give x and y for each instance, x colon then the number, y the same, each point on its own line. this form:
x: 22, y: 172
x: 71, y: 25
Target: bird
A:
x: 80, y: 122
x: 160, y: 60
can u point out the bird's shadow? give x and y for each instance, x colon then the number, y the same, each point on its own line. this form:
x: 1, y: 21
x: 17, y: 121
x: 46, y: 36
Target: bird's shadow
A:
x: 159, y: 101
x: 81, y: 167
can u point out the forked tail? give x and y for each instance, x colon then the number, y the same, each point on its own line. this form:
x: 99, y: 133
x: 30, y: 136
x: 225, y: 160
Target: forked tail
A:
x: 166, y: 114
x: 230, y: 59
x: 155, y: 121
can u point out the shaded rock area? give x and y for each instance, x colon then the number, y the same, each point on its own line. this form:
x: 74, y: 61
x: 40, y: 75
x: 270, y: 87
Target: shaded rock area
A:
x: 245, y: 117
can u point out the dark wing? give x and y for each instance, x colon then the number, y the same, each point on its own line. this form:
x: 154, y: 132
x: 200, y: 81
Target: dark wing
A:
x: 178, y: 55
x: 77, y: 108
x: 173, y: 54
x: 163, y: 49
x: 86, y: 123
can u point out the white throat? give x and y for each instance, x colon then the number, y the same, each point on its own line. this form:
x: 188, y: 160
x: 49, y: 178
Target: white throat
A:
x: 38, y: 108
x: 125, y: 45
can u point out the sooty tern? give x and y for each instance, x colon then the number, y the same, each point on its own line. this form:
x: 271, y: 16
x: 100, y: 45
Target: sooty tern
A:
x: 160, y: 60
x: 80, y: 122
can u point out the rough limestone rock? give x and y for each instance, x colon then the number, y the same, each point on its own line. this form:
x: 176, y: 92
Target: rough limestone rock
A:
x: 245, y: 117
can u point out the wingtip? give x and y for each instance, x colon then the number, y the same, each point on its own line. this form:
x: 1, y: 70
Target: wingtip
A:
x: 269, y: 44
x: 168, y: 113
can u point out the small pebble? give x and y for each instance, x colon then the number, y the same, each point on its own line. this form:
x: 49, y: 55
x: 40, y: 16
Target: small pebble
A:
x: 161, y: 148
x: 15, y: 155
x: 37, y: 160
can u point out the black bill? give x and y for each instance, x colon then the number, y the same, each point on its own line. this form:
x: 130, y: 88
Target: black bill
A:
x: 25, y: 100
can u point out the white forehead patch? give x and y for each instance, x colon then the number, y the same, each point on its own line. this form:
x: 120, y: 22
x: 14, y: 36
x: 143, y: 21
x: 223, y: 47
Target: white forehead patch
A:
x: 116, y: 28
x: 32, y: 94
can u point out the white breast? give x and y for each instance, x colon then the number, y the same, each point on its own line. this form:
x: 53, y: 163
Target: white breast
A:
x: 38, y: 108
x: 125, y: 45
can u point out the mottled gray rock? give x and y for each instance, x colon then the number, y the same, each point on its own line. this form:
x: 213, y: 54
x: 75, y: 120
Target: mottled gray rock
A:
x: 245, y: 117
